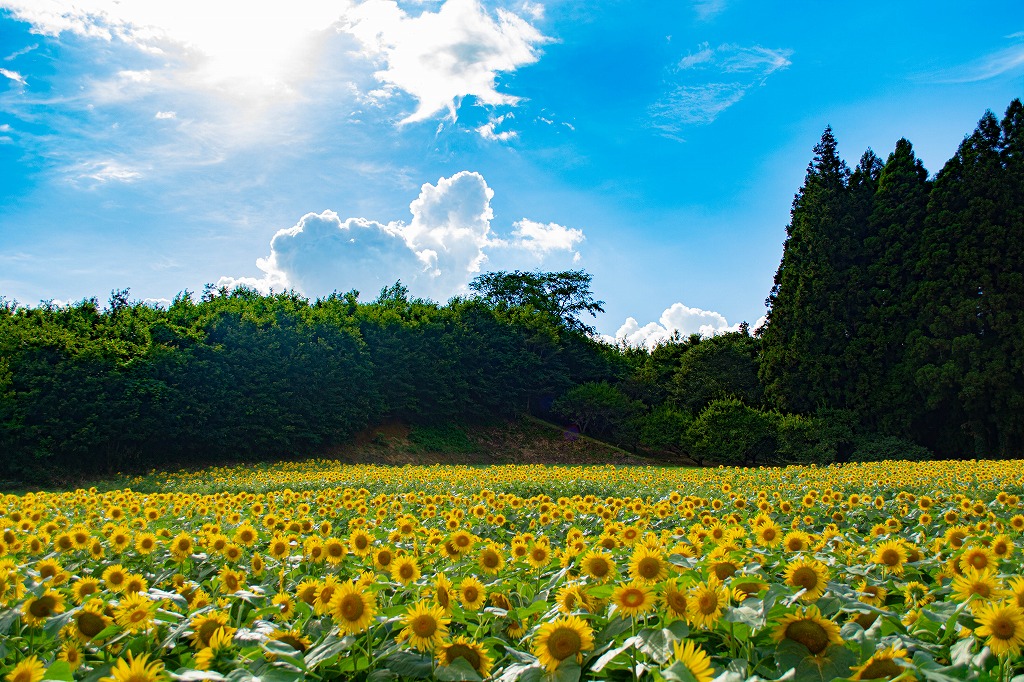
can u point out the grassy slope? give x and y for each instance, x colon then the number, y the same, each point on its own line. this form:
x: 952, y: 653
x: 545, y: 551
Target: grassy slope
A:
x: 525, y: 441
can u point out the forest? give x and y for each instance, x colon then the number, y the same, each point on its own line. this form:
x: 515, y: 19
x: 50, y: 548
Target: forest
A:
x: 894, y: 332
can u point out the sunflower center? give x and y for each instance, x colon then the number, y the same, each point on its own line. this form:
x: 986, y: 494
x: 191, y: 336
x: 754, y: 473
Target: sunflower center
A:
x: 808, y: 633
x: 43, y: 607
x: 138, y: 615
x: 462, y: 651
x: 598, y: 567
x: 981, y: 589
x: 292, y: 641
x: 677, y: 601
x: 649, y: 567
x: 22, y: 676
x: 563, y: 643
x: 424, y: 626
x: 769, y: 534
x: 633, y: 598
x: 882, y: 669
x: 979, y: 561
x: 352, y: 607
x: 490, y: 559
x: 406, y: 571
x: 805, y: 577
x: 361, y: 542
x: 539, y: 554
x: 470, y: 593
x: 443, y: 598
x: 724, y: 569
x: 891, y: 557
x: 90, y: 624
x: 1003, y: 628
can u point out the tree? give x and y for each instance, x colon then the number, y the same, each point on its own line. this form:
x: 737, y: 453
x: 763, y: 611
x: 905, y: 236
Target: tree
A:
x: 564, y: 295
x: 809, y: 318
x: 596, y: 407
x: 723, y: 366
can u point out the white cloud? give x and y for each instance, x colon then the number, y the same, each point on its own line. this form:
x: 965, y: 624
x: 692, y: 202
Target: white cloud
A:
x: 707, y: 82
x: 165, y: 115
x: 676, y: 318
x: 1006, y: 60
x: 14, y: 76
x: 17, y: 53
x: 487, y: 130
x: 441, y: 57
x: 446, y: 244
x: 105, y: 171
x: 708, y: 9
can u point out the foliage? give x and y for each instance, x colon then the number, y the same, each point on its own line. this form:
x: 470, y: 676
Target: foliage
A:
x: 596, y: 407
x: 729, y: 432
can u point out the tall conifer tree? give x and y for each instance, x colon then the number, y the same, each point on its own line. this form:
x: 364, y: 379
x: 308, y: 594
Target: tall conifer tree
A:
x: 808, y: 323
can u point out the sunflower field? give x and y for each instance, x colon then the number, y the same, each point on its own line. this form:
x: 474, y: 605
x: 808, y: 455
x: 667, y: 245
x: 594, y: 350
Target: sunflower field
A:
x: 323, y: 571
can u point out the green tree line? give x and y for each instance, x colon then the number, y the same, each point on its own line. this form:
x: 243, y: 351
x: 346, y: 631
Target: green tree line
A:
x: 894, y: 330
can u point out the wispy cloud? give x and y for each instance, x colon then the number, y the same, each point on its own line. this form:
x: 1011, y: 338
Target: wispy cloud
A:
x: 104, y: 171
x: 1005, y: 61
x: 708, y: 9
x: 17, y: 53
x: 706, y: 82
x: 14, y: 76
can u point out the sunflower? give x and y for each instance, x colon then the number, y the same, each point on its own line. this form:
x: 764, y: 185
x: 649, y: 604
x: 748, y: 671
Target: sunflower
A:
x: 705, y: 603
x: 810, y: 575
x: 1002, y: 546
x: 647, y: 565
x: 218, y: 654
x: 1003, y: 624
x: 181, y: 546
x: 325, y: 591
x: 135, y: 613
x: 809, y: 628
x: 633, y: 599
x: 133, y: 582
x: 694, y: 659
x: 1017, y: 591
x: 977, y: 557
x: 334, y: 551
x: 306, y: 591
x: 35, y: 610
x: 90, y: 621
x: 890, y: 555
x: 566, y: 636
x: 360, y: 542
x: 71, y: 653
x: 674, y: 600
x: 352, y: 608
x: 472, y: 593
x: 425, y: 626
x: 114, y: 577
x: 30, y: 669
x: 405, y: 570
x: 383, y: 558
x: 572, y: 598
x: 145, y: 543
x: 279, y: 547
x: 796, y: 541
x: 769, y: 534
x: 884, y: 665
x: 490, y: 560
x: 472, y: 652
x: 982, y: 584
x: 285, y: 604
x: 872, y: 594
x: 83, y: 589
x: 204, y: 626
x: 246, y: 535
x: 230, y: 580
x: 136, y: 670
x: 598, y: 565
x: 744, y: 587
x: 539, y: 555
x: 293, y: 638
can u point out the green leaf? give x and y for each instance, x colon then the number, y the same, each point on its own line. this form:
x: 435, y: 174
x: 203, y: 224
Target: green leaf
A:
x: 59, y: 670
x: 7, y: 619
x: 381, y: 675
x: 658, y: 644
x: 408, y: 664
x: 678, y: 672
x: 567, y: 671
x: 330, y: 647
x: 835, y: 661
x: 458, y: 671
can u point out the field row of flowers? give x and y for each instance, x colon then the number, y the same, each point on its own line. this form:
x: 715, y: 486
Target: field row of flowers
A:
x: 320, y: 571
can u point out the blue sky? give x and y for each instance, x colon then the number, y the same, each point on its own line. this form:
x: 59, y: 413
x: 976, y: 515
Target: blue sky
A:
x: 340, y: 144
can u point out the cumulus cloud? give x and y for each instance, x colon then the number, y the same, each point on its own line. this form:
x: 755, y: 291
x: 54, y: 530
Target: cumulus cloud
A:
x: 441, y: 57
x: 447, y: 242
x: 705, y: 83
x: 487, y: 130
x: 677, y: 318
